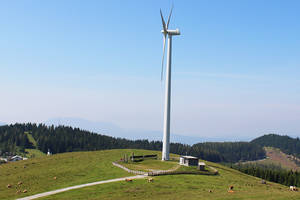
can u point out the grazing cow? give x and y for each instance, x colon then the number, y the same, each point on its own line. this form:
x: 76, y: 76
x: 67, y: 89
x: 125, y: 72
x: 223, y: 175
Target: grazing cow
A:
x: 24, y: 191
x: 54, y: 178
x: 150, y: 180
x: 20, y: 183
x: 9, y: 186
x: 128, y: 180
x: 230, y: 190
x: 293, y: 188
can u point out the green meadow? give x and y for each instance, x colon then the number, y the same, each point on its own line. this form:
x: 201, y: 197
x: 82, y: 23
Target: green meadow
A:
x: 37, y: 175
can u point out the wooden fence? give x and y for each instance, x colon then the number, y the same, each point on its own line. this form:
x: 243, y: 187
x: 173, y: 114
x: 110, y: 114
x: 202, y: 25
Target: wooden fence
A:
x: 129, y: 170
x: 166, y: 172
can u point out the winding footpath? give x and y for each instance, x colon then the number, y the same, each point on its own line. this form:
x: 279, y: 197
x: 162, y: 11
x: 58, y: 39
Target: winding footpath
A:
x: 80, y: 186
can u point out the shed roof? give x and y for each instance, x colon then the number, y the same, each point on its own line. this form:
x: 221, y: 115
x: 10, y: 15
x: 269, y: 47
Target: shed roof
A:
x: 16, y: 157
x: 189, y: 157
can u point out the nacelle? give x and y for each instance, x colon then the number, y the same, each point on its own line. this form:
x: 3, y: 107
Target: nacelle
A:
x: 172, y: 32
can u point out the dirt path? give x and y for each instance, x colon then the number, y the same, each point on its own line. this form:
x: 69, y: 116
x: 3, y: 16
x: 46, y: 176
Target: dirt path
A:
x: 79, y: 186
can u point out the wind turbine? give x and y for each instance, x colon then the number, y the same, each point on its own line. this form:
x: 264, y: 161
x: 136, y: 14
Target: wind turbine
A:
x: 166, y: 32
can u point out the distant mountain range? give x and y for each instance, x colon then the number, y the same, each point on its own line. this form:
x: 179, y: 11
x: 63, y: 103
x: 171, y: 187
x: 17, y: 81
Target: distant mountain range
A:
x: 115, y: 131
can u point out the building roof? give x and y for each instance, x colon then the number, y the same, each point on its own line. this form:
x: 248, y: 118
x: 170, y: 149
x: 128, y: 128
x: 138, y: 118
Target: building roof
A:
x: 201, y: 163
x: 16, y: 157
x: 189, y: 157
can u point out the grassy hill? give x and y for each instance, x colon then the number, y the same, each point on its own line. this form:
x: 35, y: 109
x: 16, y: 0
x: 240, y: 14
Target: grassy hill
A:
x: 37, y: 175
x: 276, y: 157
x: 285, y: 143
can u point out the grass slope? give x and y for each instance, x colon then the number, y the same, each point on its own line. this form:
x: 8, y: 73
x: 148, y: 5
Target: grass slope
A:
x: 277, y: 157
x: 70, y: 169
x: 33, y: 153
x: 185, y: 187
x: 150, y: 165
x: 83, y: 167
x: 31, y: 139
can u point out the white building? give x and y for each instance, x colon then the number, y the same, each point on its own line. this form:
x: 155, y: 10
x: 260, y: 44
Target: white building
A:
x: 49, y: 153
x: 16, y: 158
x: 188, y: 160
x: 201, y: 166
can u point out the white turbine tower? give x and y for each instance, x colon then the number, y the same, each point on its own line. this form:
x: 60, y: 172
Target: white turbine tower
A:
x: 166, y: 32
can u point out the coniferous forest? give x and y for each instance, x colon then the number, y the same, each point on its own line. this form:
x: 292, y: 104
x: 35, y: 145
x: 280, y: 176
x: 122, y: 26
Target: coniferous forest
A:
x: 270, y: 173
x: 285, y: 143
x: 67, y: 139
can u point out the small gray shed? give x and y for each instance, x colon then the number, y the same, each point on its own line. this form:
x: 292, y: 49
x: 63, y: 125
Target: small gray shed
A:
x: 201, y: 166
x: 188, y: 160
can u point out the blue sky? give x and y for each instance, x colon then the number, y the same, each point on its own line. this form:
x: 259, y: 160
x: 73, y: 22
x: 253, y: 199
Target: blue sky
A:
x: 235, y: 66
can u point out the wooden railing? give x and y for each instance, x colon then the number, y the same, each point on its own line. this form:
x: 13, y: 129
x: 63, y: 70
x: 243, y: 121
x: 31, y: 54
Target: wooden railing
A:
x: 166, y: 172
x: 129, y: 170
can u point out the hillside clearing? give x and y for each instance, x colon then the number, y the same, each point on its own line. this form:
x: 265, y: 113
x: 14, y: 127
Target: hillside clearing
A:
x: 31, y: 139
x: 34, y: 153
x: 277, y: 157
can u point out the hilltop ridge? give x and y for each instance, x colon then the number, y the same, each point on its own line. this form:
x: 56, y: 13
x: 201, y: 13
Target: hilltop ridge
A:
x: 285, y: 143
x: 14, y: 138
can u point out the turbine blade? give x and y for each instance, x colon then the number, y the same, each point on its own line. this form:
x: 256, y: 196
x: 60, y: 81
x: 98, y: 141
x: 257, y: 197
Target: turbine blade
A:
x: 163, y: 22
x: 169, y: 17
x: 162, y: 62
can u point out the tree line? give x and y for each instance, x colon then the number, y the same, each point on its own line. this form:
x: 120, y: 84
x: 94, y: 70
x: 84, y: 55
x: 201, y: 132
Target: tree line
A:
x: 13, y: 139
x: 61, y: 139
x: 271, y: 173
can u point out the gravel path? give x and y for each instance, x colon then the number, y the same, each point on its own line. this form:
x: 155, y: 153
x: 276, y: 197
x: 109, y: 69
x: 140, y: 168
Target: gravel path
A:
x: 80, y: 186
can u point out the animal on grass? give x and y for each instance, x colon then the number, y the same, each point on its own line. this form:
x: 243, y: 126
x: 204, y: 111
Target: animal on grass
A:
x: 293, y: 188
x: 230, y: 190
x: 150, y: 180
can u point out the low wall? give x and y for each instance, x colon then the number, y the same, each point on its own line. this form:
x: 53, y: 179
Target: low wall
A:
x: 129, y: 170
x: 166, y: 172
x: 174, y: 172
